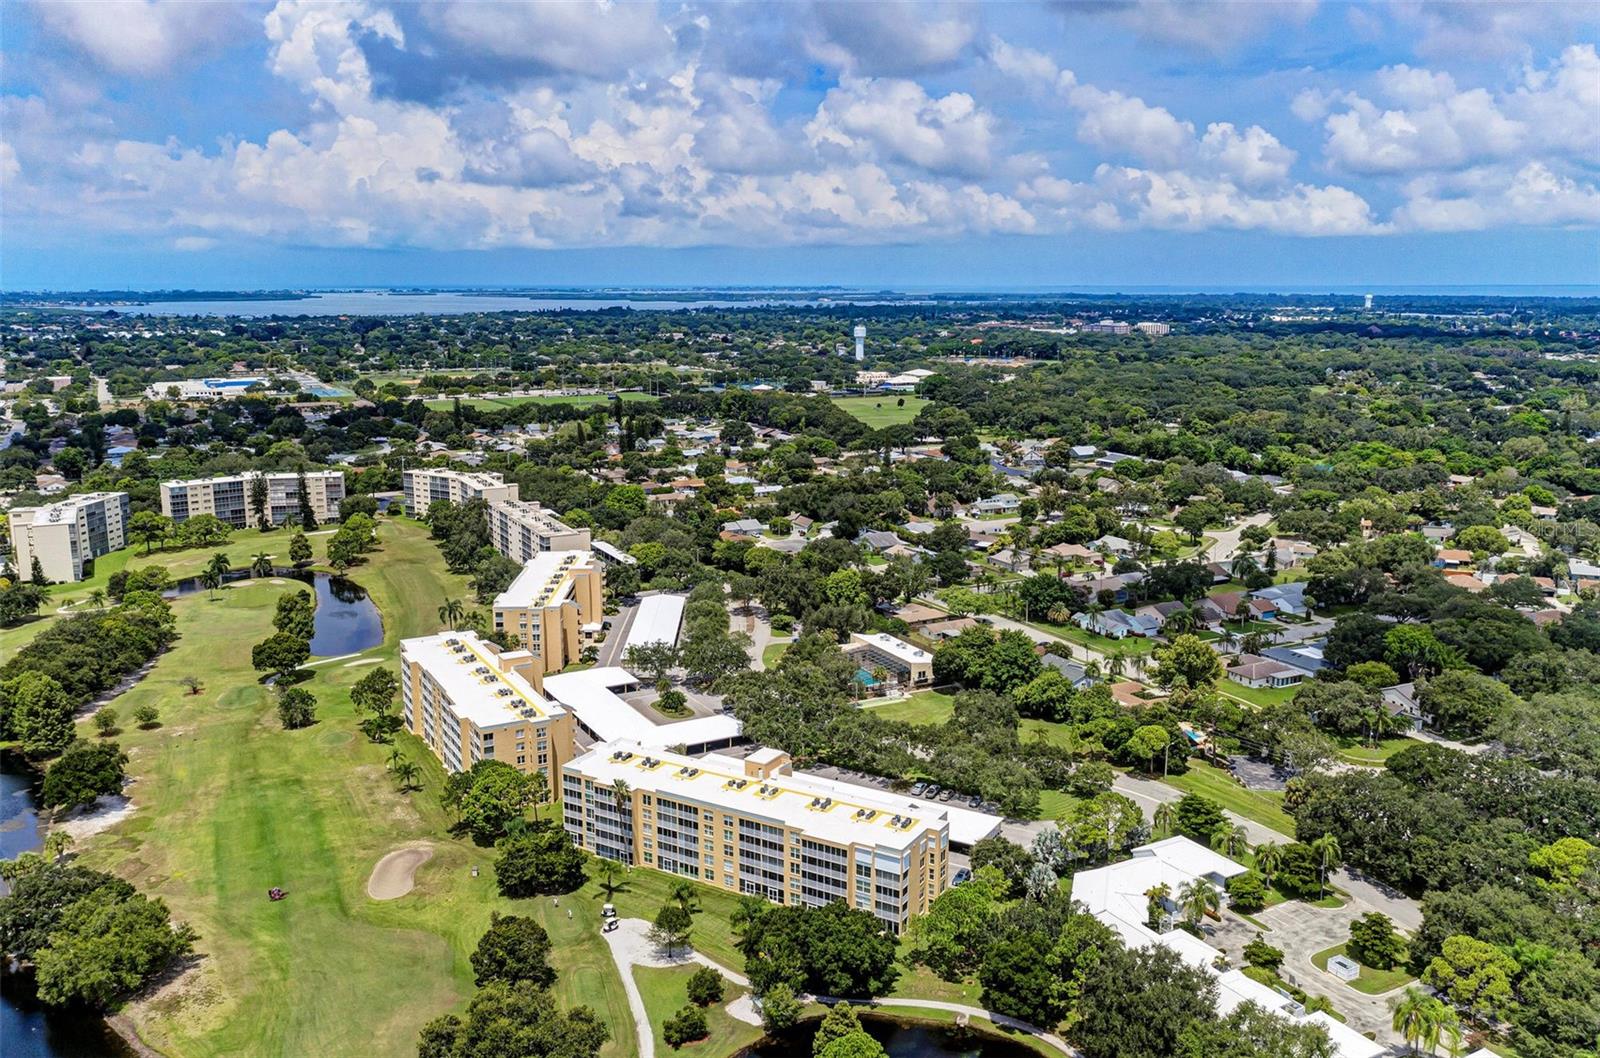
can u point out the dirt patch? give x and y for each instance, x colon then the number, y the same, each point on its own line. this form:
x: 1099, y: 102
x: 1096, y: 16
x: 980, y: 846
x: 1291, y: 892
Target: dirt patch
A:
x: 394, y: 875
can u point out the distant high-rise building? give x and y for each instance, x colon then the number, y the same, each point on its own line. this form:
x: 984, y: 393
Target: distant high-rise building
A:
x: 1369, y: 303
x: 861, y: 342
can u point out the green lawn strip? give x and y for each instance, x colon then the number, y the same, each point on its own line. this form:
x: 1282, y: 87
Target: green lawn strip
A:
x: 1369, y: 982
x: 923, y: 707
x: 880, y: 411
x: 1257, y: 696
x: 772, y: 653
x: 1054, y: 733
x: 1102, y: 644
x: 1053, y: 804
x: 664, y: 992
x: 229, y: 804
x: 1357, y: 751
x: 1261, y: 806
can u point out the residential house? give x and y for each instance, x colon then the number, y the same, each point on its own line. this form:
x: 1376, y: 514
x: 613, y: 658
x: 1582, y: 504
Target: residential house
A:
x: 1005, y: 503
x: 879, y: 540
x: 1254, y: 671
x: 1286, y: 598
x: 1307, y: 657
x: 1072, y: 670
x: 745, y: 527
x: 1452, y: 558
x: 1401, y: 703
x: 1117, y: 624
x: 1074, y: 553
x: 1114, y: 545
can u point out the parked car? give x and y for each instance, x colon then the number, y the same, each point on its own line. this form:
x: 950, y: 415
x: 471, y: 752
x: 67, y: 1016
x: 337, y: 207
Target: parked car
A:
x: 946, y: 795
x: 974, y: 801
x: 963, y: 875
x: 916, y: 790
x: 932, y: 791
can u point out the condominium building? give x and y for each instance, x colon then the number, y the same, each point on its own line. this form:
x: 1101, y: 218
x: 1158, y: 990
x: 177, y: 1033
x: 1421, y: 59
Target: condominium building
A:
x: 428, y: 486
x: 471, y: 701
x: 229, y: 497
x: 66, y: 536
x: 552, y: 609
x: 756, y: 826
x: 521, y: 530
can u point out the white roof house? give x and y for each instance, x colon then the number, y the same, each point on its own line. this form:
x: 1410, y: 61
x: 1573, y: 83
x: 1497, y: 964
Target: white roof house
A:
x: 1115, y: 894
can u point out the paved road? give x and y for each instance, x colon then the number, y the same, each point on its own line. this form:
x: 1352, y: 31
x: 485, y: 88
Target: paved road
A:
x: 1301, y: 931
x: 610, y: 652
x: 631, y: 946
x: 1225, y: 543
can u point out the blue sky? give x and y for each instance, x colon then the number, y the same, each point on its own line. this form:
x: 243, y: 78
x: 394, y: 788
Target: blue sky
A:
x: 1116, y: 142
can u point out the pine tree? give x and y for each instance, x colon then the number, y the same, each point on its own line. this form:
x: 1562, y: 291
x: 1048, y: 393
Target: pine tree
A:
x: 258, y: 499
x: 308, y: 517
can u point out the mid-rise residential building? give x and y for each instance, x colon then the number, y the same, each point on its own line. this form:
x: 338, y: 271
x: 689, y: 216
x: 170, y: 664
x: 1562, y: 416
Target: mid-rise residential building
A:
x: 230, y: 498
x: 66, y: 536
x: 428, y: 486
x: 1154, y: 330
x: 553, y: 609
x: 471, y: 701
x: 522, y: 530
x: 756, y: 826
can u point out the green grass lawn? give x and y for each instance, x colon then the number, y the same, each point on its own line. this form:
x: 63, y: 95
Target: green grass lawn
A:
x: 498, y: 403
x: 229, y: 805
x: 1262, y: 806
x: 880, y: 411
x: 1257, y: 696
x: 773, y: 653
x: 1103, y: 644
x: 1053, y: 804
x: 1370, y: 982
x: 664, y: 992
x: 923, y: 707
x: 1357, y: 751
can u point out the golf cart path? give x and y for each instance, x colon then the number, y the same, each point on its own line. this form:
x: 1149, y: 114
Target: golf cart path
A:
x: 631, y: 946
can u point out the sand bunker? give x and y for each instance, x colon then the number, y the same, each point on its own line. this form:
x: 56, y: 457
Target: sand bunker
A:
x: 394, y: 875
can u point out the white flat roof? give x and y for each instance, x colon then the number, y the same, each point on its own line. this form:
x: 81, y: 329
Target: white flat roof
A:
x: 657, y: 621
x: 247, y: 475
x: 473, y: 696
x: 853, y: 816
x: 590, y: 695
x: 898, y: 648
x: 541, y: 580
x: 1115, y: 894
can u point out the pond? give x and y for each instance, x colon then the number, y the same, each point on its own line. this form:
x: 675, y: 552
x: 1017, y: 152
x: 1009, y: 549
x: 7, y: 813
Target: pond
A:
x: 347, y: 620
x: 27, y: 1028
x: 902, y: 1039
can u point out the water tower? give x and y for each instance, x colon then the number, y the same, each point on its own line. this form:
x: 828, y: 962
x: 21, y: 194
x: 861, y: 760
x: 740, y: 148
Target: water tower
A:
x: 861, y: 342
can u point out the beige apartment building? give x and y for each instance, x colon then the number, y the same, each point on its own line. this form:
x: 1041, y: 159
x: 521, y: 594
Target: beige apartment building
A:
x: 228, y: 498
x: 553, y: 609
x: 425, y: 487
x: 66, y: 536
x: 471, y: 701
x: 522, y: 530
x: 756, y: 826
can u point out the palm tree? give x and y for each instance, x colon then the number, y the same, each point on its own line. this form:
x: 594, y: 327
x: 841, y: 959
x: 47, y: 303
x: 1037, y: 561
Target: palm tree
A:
x: 1269, y: 857
x: 406, y: 774
x: 451, y: 613
x: 1058, y: 614
x: 1328, y: 855
x: 1116, y: 663
x: 1198, y: 899
x: 396, y: 755
x: 220, y: 564
x: 1416, y: 1017
x: 211, y: 580
x: 1155, y: 899
x: 56, y: 844
x: 1231, y: 841
x: 97, y: 598
x: 611, y: 874
x: 683, y: 892
x: 261, y: 564
x: 744, y: 915
x: 1381, y: 724
x: 1164, y: 818
x: 622, y: 794
x: 1449, y: 1030
x: 1180, y: 623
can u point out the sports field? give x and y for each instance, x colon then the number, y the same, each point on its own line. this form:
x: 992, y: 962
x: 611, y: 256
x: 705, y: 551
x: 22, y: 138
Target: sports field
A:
x: 891, y: 409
